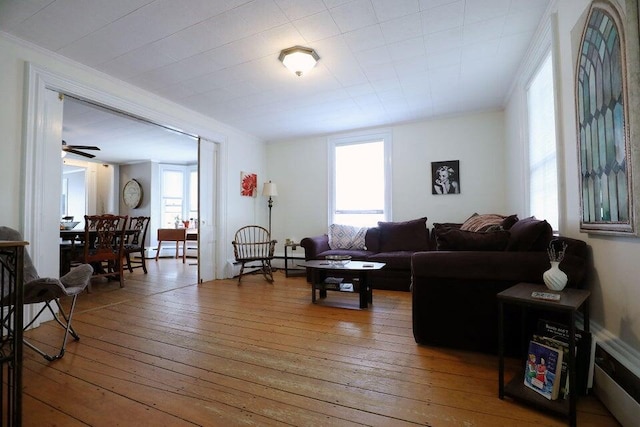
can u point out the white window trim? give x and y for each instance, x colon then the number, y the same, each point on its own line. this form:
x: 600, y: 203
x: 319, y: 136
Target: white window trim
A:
x: 547, y: 41
x: 354, y: 138
x: 185, y: 170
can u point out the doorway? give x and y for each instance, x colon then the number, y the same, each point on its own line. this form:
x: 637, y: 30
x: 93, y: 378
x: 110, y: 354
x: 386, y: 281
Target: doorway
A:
x: 42, y: 144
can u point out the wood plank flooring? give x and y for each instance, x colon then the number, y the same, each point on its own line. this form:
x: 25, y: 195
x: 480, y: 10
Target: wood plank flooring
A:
x: 163, y: 351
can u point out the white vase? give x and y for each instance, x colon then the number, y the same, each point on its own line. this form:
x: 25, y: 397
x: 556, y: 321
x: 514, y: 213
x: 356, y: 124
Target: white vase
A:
x: 554, y: 278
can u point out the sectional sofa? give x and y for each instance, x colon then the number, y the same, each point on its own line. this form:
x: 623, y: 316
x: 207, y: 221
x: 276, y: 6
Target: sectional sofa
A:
x: 454, y: 291
x: 455, y: 270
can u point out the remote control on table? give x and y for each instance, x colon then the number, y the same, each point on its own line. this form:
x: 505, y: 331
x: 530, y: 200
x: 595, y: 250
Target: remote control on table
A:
x: 545, y: 295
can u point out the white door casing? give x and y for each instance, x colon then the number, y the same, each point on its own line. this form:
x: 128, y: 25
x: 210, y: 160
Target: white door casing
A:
x: 207, y: 165
x: 41, y: 175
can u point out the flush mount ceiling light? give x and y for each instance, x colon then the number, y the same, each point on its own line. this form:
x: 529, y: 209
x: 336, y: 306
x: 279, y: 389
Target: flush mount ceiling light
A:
x: 299, y: 59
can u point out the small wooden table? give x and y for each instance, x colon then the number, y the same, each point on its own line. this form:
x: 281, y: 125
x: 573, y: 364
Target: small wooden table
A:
x: 320, y: 269
x: 177, y: 235
x: 292, y: 256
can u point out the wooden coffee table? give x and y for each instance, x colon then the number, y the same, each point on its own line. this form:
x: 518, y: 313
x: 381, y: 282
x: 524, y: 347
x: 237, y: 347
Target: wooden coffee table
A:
x: 321, y: 269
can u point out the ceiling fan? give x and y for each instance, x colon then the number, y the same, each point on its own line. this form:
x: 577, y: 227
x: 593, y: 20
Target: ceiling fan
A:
x: 75, y: 149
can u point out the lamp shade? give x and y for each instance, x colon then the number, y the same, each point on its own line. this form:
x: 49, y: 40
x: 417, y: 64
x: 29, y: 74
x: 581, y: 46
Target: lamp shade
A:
x: 269, y: 189
x: 299, y: 59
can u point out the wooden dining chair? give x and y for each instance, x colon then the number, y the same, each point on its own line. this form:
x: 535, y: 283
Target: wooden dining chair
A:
x: 135, y: 242
x: 252, y: 245
x: 104, y: 245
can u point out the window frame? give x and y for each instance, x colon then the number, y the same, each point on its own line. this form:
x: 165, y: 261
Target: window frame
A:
x: 545, y: 54
x: 186, y: 171
x: 359, y: 138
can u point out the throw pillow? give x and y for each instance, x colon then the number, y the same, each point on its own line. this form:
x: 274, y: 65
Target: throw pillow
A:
x: 460, y: 240
x: 346, y: 237
x: 488, y: 222
x: 404, y: 236
x: 439, y: 227
x: 530, y: 234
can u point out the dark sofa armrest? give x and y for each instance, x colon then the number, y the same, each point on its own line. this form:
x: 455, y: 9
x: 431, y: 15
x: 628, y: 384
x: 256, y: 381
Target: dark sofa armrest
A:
x: 314, y: 245
x: 498, y: 266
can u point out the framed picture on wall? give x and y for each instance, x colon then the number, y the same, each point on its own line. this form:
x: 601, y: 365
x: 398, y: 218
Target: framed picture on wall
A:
x: 248, y: 184
x: 445, y: 177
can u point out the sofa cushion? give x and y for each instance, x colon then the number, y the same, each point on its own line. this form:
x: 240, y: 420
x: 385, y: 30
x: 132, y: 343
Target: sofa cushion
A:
x: 488, y: 222
x: 372, y: 239
x: 393, y: 260
x: 404, y: 236
x: 530, y: 234
x: 439, y: 227
x: 346, y: 237
x: 452, y: 239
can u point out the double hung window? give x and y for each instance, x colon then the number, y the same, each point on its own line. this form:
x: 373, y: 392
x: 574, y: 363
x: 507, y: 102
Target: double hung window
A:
x: 360, y: 190
x: 179, y: 194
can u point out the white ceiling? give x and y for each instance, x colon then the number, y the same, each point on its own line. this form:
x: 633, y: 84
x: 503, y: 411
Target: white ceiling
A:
x: 123, y: 139
x: 381, y: 61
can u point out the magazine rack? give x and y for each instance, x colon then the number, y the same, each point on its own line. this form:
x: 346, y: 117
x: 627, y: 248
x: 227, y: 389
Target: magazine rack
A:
x: 570, y: 302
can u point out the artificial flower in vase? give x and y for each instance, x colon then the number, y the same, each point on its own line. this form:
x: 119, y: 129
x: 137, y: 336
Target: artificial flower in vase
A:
x: 554, y: 278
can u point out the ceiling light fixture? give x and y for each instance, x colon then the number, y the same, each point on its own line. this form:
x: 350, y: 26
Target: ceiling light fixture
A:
x: 299, y: 59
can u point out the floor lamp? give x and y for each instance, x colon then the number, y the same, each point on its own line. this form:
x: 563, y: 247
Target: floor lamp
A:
x: 270, y: 189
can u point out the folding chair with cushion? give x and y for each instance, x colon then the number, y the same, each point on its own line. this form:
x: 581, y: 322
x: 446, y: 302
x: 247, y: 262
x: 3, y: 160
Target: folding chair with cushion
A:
x: 46, y: 290
x: 104, y: 245
x: 135, y: 241
x: 253, y: 244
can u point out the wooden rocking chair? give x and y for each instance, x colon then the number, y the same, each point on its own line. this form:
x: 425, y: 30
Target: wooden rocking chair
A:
x: 253, y: 244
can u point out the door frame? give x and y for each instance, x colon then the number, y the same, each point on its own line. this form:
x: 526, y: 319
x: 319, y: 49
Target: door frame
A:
x: 37, y: 152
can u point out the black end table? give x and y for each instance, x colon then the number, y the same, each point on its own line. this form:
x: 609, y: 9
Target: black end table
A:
x: 571, y: 300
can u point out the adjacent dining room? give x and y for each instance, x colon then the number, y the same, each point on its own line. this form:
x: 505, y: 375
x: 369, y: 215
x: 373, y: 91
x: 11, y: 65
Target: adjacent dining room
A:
x: 144, y: 174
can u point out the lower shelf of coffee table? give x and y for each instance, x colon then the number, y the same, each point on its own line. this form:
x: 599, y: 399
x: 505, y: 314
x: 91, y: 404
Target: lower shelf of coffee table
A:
x: 338, y: 287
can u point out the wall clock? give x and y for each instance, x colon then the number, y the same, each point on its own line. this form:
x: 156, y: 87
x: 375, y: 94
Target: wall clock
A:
x: 132, y: 194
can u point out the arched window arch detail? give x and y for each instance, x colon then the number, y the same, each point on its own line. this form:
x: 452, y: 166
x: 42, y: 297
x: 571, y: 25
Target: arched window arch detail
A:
x: 602, y: 116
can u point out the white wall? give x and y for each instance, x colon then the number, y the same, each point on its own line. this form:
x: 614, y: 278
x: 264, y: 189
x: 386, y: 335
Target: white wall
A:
x: 299, y: 168
x: 235, y: 145
x: 615, y: 299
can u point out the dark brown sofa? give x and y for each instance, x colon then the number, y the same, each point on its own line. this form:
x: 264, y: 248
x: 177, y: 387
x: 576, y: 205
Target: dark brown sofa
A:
x: 392, y: 243
x: 454, y: 291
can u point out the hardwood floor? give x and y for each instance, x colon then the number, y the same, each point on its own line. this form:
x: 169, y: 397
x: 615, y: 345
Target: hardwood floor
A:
x: 163, y: 351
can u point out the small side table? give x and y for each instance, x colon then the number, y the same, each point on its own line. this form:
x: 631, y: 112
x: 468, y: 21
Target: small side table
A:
x: 173, y: 235
x: 289, y: 271
x: 570, y: 302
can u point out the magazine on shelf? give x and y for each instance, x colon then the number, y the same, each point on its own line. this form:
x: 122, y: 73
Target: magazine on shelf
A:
x: 584, y: 350
x: 332, y: 283
x: 346, y: 287
x: 564, y: 377
x: 543, y: 369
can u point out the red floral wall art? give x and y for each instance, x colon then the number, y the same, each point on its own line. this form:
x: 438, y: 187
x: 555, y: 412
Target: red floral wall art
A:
x: 248, y: 184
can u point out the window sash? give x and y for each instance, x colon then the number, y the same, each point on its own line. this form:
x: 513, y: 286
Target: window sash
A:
x: 356, y: 160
